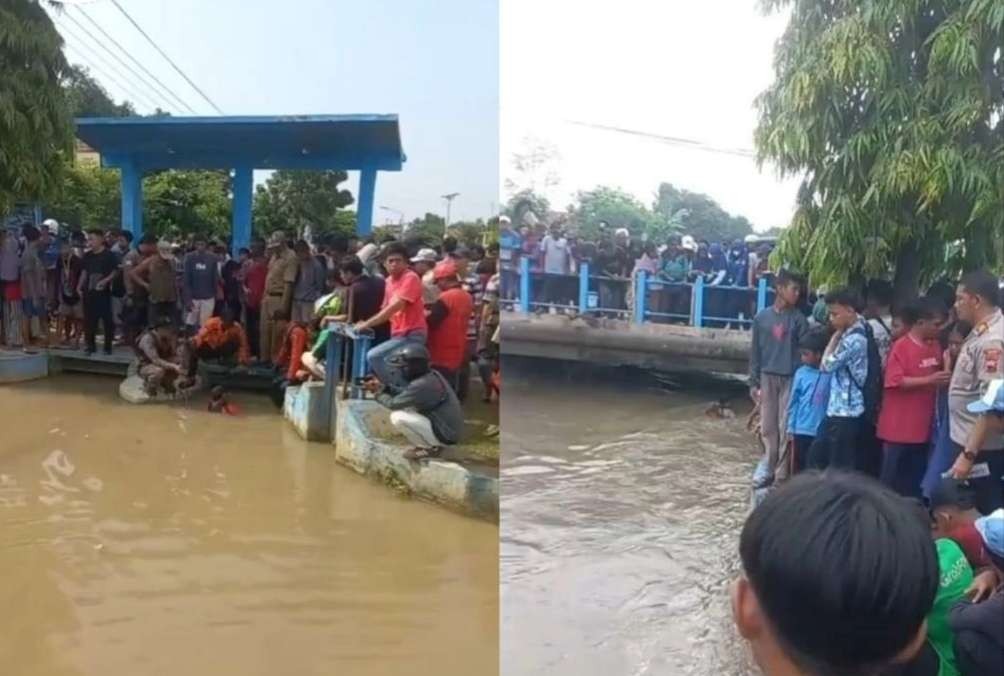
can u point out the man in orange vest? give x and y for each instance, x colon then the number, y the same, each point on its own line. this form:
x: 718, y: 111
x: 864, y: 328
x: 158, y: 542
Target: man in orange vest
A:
x: 447, y: 319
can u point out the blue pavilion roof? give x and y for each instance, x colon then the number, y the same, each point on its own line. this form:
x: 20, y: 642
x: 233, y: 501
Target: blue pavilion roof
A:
x: 348, y: 142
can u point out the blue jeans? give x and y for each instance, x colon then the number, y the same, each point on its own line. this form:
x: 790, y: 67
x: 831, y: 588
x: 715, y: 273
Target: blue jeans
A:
x: 903, y: 468
x: 377, y: 357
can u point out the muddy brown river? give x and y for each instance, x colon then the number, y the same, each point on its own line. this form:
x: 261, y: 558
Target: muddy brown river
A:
x: 621, y: 508
x: 168, y: 540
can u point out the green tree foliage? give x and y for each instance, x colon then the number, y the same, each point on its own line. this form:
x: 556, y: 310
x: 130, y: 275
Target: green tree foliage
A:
x: 893, y: 112
x: 527, y: 199
x: 36, y: 132
x: 698, y: 215
x: 87, y: 98
x: 179, y: 203
x: 618, y: 208
x: 291, y: 200
x: 89, y: 197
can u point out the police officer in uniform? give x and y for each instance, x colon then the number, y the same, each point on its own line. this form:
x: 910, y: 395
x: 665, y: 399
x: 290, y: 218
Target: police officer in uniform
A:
x: 277, y: 302
x: 980, y: 449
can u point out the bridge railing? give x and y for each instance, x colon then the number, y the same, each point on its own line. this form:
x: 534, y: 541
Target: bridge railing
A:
x: 643, y: 299
x: 345, y: 360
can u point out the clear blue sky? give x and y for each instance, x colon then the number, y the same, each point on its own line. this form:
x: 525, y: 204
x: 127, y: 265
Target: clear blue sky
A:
x: 432, y: 62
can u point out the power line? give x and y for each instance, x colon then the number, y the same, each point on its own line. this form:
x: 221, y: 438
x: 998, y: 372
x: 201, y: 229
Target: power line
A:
x: 156, y: 98
x: 139, y: 78
x: 672, y: 140
x: 104, y: 76
x: 167, y: 58
x: 134, y: 60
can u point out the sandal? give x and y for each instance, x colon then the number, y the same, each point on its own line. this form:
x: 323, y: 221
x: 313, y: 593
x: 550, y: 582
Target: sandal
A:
x: 422, y: 453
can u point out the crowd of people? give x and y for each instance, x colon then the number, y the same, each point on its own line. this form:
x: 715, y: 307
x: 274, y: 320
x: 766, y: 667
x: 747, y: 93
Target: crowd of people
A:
x: 615, y: 258
x: 878, y: 546
x: 176, y: 304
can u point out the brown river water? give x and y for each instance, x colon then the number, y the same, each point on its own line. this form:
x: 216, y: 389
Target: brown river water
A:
x: 167, y: 540
x: 621, y: 508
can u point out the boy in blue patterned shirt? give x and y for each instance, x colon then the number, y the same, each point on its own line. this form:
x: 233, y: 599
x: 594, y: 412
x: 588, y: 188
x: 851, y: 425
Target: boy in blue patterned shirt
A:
x: 846, y: 359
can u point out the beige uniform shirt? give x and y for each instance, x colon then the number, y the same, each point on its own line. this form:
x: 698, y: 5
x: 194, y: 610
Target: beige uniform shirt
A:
x: 980, y: 361
x: 281, y: 271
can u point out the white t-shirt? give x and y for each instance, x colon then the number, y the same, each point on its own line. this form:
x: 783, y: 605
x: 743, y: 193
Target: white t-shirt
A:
x: 883, y: 336
x: 555, y: 255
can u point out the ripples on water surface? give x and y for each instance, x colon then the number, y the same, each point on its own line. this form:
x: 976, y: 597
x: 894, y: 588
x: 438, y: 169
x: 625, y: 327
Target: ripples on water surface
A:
x: 621, y: 508
x: 167, y: 540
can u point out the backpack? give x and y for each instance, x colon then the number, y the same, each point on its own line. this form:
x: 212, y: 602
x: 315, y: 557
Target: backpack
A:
x: 873, y: 386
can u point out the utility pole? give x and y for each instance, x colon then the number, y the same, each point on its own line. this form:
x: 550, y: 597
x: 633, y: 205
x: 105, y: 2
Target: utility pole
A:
x: 449, y: 203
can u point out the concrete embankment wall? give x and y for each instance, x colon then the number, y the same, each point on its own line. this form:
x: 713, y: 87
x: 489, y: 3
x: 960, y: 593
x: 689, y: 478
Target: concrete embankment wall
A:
x: 365, y: 442
x: 660, y: 347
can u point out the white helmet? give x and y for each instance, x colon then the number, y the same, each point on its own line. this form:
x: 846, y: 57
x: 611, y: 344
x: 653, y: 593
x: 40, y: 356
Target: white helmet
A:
x: 622, y: 232
x: 751, y: 239
x: 688, y: 243
x: 51, y: 224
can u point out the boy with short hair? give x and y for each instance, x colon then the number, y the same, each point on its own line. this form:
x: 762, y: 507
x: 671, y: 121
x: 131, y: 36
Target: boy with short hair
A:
x: 838, y: 578
x: 846, y: 358
x: 914, y: 372
x: 977, y: 626
x: 774, y: 358
x: 810, y: 393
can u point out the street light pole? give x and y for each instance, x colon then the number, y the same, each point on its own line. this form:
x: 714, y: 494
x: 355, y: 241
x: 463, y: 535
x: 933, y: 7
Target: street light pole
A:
x: 449, y: 203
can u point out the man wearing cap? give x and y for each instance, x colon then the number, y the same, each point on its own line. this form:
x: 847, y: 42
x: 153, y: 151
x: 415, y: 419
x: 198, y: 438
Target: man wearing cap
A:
x: 157, y: 275
x: 975, y: 430
x: 157, y: 354
x: 277, y: 303
x: 978, y: 627
x: 423, y: 263
x: 448, y: 322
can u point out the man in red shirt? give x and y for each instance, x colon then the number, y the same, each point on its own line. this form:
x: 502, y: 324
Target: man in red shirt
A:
x: 448, y: 319
x: 914, y: 372
x: 252, y: 274
x: 403, y: 308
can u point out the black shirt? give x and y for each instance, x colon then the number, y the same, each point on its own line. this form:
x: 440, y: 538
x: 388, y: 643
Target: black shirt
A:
x: 98, y: 266
x: 367, y: 299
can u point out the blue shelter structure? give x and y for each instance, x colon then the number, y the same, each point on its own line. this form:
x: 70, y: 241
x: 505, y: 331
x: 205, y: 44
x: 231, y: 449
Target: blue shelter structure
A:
x: 135, y: 145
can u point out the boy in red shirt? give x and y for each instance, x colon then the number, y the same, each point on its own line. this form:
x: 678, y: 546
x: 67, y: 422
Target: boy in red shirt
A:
x: 913, y: 374
x: 448, y: 319
x: 403, y: 307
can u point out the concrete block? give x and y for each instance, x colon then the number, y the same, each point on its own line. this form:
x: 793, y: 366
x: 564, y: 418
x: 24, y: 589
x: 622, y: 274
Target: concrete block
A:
x: 304, y: 406
x: 16, y: 367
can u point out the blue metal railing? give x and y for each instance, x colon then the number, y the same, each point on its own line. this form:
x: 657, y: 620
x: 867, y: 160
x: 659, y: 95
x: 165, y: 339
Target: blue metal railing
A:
x: 651, y: 299
x: 340, y: 336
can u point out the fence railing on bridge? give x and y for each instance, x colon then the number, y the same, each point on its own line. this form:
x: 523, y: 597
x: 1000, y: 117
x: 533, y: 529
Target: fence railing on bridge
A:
x: 345, y: 361
x: 644, y: 299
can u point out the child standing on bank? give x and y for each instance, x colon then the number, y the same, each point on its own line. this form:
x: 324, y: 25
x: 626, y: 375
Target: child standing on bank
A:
x: 810, y: 394
x: 774, y: 358
x: 913, y: 374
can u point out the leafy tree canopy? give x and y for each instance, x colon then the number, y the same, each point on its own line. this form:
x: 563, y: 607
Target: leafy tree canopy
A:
x: 698, y: 215
x: 291, y: 200
x: 892, y: 111
x: 87, y: 98
x: 36, y: 132
x: 618, y: 208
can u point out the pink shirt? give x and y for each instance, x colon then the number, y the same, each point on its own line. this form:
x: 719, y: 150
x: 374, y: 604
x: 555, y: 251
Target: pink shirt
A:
x: 407, y: 287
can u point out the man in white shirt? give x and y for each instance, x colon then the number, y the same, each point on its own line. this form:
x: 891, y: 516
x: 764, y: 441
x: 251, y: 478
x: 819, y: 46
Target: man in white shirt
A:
x: 555, y: 248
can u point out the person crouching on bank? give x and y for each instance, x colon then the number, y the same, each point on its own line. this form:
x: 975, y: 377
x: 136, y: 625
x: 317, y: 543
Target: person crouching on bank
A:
x: 426, y: 409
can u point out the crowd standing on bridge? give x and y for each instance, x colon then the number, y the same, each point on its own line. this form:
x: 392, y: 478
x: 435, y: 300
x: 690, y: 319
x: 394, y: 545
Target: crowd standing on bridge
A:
x: 880, y: 487
x: 176, y: 304
x: 615, y: 259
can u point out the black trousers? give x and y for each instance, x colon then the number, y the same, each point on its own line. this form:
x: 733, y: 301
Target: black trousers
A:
x: 801, y: 443
x: 98, y: 307
x: 989, y: 489
x: 836, y: 445
x: 252, y: 320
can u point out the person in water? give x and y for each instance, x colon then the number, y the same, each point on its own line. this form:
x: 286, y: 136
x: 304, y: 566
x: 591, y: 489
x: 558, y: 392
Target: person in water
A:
x: 826, y: 595
x: 426, y: 409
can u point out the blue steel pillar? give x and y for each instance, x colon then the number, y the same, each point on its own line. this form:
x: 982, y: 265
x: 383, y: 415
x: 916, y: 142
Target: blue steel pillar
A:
x: 364, y: 208
x: 243, y: 195
x: 698, y: 291
x: 132, y: 200
x: 761, y: 294
x: 583, y: 288
x: 640, y: 291
x: 524, y: 284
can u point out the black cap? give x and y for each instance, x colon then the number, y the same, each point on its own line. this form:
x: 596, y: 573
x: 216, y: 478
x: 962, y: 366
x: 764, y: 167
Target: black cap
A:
x: 951, y: 492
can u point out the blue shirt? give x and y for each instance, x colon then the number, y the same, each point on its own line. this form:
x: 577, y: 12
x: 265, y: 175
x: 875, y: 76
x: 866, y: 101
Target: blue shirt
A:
x: 849, y: 366
x: 810, y: 396
x: 510, y: 244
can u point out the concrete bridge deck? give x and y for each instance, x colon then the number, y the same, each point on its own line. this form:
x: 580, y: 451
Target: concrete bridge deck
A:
x: 658, y: 347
